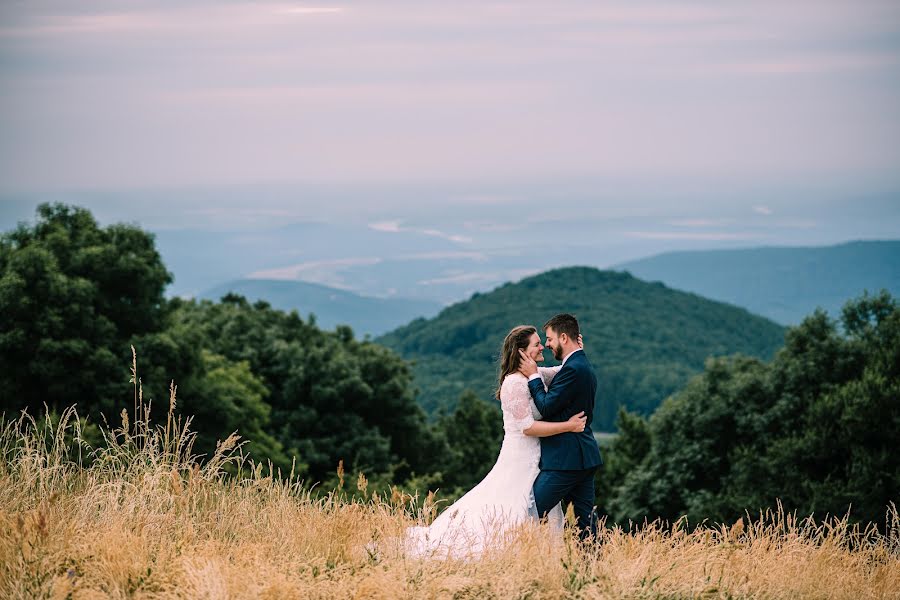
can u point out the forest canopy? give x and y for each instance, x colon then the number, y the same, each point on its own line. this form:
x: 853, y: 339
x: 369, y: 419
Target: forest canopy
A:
x: 749, y: 414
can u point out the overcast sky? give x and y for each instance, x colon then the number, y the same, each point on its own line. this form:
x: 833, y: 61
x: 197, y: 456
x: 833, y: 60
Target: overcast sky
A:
x: 744, y: 120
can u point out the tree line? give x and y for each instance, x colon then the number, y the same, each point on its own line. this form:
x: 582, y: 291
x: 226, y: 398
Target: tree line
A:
x: 77, y: 297
x: 816, y: 427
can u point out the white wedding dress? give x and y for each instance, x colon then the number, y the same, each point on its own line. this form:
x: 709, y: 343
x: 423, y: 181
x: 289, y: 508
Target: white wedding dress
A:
x: 483, y: 517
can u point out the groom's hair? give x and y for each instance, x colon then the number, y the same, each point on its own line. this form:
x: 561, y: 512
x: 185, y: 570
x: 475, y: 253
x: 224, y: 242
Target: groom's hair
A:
x: 564, y: 324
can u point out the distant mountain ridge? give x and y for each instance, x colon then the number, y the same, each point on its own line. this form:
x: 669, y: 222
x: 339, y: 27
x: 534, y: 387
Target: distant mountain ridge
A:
x: 782, y: 283
x: 331, y: 306
x: 644, y: 339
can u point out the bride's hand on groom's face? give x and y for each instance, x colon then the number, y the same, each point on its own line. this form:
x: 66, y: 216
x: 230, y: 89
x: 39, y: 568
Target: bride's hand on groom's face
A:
x: 527, y: 366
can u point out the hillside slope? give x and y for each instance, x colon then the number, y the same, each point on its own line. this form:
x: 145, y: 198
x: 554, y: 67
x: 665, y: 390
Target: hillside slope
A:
x: 783, y: 284
x: 644, y: 339
x: 331, y: 306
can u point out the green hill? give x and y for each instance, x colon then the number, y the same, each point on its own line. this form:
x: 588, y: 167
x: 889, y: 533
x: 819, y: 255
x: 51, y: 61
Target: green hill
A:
x: 783, y: 284
x: 331, y: 306
x: 644, y: 339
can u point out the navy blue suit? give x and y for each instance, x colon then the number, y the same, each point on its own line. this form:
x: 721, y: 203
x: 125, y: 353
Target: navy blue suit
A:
x: 568, y: 460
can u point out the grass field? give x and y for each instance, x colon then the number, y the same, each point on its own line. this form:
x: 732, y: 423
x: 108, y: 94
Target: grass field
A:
x: 138, y: 517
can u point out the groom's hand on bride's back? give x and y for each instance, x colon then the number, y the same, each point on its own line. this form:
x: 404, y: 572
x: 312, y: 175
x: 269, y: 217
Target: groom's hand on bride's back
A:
x: 527, y: 366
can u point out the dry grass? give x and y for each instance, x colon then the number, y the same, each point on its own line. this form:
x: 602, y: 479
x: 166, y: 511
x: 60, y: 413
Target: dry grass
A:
x: 145, y: 520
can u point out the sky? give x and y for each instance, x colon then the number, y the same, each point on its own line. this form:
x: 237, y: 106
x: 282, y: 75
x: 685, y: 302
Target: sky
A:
x: 629, y: 126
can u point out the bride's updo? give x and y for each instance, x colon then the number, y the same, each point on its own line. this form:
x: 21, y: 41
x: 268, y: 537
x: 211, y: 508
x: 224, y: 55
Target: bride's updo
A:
x: 517, y: 339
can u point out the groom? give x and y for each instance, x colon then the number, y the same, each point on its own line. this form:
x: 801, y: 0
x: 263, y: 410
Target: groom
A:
x: 568, y: 460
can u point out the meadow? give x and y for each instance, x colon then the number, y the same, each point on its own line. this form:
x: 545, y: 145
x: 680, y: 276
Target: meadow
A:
x: 138, y: 516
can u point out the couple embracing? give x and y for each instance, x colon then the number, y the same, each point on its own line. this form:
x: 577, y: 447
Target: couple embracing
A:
x: 548, y: 456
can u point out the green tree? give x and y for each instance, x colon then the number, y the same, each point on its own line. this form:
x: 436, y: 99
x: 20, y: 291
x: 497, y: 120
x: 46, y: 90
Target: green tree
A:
x: 816, y: 428
x: 843, y: 444
x: 228, y: 397
x: 472, y: 435
x: 72, y: 296
x: 623, y: 455
x: 332, y: 397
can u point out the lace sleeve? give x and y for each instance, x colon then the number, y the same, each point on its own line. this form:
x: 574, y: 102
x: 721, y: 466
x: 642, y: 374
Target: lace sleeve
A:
x: 548, y: 373
x: 518, y: 404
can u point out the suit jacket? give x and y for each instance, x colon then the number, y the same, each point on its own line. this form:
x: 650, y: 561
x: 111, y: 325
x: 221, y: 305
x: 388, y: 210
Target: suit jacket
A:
x: 571, y: 391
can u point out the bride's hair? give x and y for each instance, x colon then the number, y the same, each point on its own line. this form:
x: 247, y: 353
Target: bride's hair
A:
x: 517, y: 339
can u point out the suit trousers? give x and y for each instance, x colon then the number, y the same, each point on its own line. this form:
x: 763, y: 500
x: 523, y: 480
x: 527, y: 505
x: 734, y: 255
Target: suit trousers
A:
x: 576, y: 487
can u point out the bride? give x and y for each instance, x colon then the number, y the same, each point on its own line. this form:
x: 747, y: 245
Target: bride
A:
x: 503, y: 499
